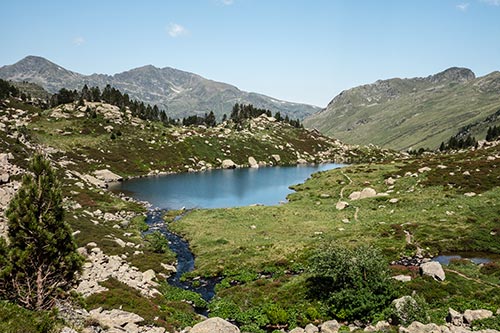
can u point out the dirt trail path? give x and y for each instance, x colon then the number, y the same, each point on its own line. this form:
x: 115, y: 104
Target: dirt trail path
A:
x: 472, y: 279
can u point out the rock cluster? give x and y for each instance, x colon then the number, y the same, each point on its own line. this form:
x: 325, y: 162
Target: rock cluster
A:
x: 100, y: 267
x: 121, y: 321
x: 456, y: 323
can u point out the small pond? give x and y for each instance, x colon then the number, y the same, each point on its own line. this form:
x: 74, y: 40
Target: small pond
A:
x: 477, y: 258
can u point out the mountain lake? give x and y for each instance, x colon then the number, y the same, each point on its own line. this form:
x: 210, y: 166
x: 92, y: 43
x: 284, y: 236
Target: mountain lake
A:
x: 220, y: 188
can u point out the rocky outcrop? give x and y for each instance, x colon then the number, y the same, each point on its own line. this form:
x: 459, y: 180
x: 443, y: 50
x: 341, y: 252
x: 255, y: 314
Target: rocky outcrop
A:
x: 433, y: 269
x: 121, y: 321
x: 214, y: 325
x: 471, y: 315
x: 100, y: 267
x: 418, y: 327
x: 107, y: 176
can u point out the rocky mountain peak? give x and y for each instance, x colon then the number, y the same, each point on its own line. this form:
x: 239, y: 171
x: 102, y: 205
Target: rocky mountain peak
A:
x: 181, y: 93
x: 453, y: 75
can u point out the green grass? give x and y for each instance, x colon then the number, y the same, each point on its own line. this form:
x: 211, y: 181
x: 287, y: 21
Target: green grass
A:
x: 252, y: 236
x: 261, y: 251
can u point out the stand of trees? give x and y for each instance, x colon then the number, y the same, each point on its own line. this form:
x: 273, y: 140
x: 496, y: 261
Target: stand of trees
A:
x: 241, y: 112
x: 493, y: 133
x: 111, y: 96
x: 207, y: 120
x: 456, y: 142
x: 7, y: 90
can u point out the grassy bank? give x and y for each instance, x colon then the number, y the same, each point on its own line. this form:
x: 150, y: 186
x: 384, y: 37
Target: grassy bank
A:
x: 262, y: 251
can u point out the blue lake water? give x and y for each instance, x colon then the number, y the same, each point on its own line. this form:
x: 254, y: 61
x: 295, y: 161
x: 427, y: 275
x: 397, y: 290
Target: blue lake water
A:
x: 220, y: 188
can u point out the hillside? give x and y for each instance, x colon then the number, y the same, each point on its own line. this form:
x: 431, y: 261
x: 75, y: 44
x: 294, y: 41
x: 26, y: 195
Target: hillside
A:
x: 259, y: 254
x: 411, y: 113
x: 178, y: 92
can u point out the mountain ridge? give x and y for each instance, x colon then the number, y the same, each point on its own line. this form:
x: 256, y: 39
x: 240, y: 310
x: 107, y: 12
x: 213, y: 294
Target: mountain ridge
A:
x: 410, y: 113
x: 179, y: 92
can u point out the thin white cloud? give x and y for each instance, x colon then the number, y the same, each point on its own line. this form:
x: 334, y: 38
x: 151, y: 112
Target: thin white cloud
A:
x: 463, y: 7
x: 492, y: 2
x: 78, y: 41
x: 176, y: 30
x: 227, y: 2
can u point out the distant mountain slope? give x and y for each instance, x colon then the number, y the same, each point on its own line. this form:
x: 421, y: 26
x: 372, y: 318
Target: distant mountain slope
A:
x: 180, y: 93
x: 410, y: 113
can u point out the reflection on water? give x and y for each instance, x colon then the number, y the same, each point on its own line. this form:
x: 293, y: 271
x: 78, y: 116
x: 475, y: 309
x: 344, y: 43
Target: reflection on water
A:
x: 220, y: 188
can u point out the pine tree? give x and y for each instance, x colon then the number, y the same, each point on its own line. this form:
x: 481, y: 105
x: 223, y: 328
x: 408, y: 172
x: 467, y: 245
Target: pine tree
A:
x: 41, y: 259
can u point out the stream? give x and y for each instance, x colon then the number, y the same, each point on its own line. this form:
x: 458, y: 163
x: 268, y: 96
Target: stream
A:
x: 185, y: 259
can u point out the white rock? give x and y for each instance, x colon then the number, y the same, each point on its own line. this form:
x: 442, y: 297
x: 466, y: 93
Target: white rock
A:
x: 310, y: 328
x: 214, y: 325
x: 402, y: 278
x: 148, y: 275
x: 120, y: 242
x: 390, y: 181
x: 253, y: 162
x: 341, y: 205
x: 228, y: 164
x: 330, y: 326
x: 424, y: 169
x: 107, y: 176
x: 433, y: 269
x: 471, y: 315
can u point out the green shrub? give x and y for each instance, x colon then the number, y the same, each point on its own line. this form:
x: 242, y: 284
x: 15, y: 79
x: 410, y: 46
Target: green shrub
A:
x: 492, y: 323
x: 172, y: 293
x: 355, y: 283
x: 157, y: 242
x: 14, y: 319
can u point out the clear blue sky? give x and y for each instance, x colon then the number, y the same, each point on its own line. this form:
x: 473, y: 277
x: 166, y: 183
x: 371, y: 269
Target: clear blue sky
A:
x: 297, y: 50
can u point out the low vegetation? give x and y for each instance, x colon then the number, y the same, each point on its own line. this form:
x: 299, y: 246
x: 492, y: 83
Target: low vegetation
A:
x: 270, y: 247
x: 302, y: 262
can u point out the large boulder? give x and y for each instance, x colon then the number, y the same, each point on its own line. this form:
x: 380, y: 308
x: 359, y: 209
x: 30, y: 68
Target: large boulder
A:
x: 341, y: 205
x: 228, y: 164
x: 454, y: 317
x: 330, y: 326
x: 433, y: 269
x: 403, y: 307
x: 214, y: 325
x: 471, y: 315
x: 367, y: 192
x: 417, y: 327
x: 253, y: 162
x: 310, y: 328
x: 115, y: 317
x: 107, y: 176
x: 297, y: 330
